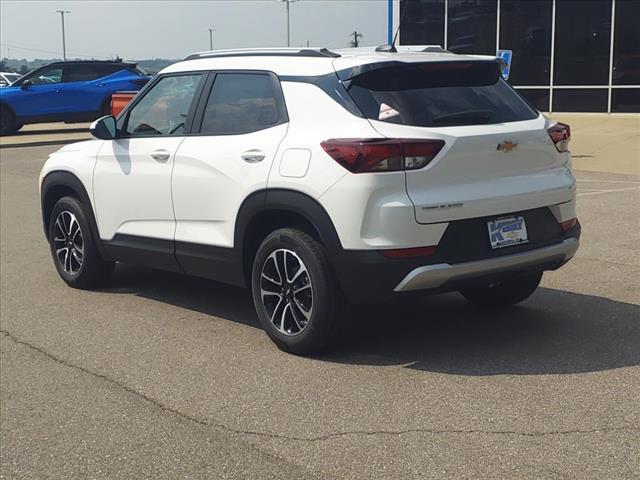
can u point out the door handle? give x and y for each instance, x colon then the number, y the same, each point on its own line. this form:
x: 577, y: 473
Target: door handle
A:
x: 253, y: 156
x: 160, y: 155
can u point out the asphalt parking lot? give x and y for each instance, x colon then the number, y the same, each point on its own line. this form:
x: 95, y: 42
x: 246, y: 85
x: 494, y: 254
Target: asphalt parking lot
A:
x: 165, y: 376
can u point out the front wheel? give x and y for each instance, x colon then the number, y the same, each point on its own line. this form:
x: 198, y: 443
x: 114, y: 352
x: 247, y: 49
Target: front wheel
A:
x: 294, y: 292
x: 503, y: 294
x: 8, y: 124
x: 73, y: 247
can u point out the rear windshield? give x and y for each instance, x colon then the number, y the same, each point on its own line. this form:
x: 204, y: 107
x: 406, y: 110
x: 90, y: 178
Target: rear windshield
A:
x: 438, y: 94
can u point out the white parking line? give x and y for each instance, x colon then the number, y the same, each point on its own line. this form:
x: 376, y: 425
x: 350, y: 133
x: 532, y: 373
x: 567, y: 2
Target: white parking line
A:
x: 607, y: 191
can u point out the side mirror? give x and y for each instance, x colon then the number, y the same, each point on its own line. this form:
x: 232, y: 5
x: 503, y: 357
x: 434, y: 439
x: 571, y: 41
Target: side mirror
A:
x: 104, y: 128
x: 26, y: 84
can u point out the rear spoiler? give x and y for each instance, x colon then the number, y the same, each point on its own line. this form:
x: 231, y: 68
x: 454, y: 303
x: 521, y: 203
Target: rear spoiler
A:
x: 349, y: 74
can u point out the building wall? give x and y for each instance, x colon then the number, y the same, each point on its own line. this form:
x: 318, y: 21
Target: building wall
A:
x: 568, y: 55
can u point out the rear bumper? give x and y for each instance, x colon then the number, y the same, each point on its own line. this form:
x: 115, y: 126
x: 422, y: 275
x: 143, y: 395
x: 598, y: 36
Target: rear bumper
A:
x: 435, y: 276
x: 463, y: 258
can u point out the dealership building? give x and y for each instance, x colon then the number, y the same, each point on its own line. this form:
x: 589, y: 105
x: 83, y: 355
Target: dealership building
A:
x: 568, y: 55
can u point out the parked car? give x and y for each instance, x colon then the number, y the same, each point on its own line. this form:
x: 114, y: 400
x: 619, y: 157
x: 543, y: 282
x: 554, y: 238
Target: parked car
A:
x: 7, y: 78
x: 119, y: 100
x: 316, y: 177
x: 66, y: 92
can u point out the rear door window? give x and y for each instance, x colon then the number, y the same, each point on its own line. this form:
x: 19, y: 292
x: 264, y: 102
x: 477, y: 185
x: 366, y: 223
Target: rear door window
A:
x: 243, y: 103
x: 438, y: 94
x: 88, y: 72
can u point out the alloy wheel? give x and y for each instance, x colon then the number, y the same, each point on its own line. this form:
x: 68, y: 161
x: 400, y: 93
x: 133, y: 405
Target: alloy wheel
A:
x: 68, y: 242
x: 286, y: 292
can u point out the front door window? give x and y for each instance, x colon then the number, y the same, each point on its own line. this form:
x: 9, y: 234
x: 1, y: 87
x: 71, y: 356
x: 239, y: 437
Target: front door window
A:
x: 164, y: 108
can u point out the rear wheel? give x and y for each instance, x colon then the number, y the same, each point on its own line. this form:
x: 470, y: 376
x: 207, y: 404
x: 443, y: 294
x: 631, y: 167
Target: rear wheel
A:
x: 8, y: 123
x: 106, y: 107
x: 73, y: 248
x: 294, y: 292
x: 505, y: 293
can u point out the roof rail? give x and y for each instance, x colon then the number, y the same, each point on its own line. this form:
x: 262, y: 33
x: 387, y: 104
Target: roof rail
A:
x: 423, y: 48
x: 435, y: 48
x: 265, y: 52
x: 395, y: 49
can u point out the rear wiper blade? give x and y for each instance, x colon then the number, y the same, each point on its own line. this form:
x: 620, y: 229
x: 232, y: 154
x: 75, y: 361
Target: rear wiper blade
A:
x: 464, y: 115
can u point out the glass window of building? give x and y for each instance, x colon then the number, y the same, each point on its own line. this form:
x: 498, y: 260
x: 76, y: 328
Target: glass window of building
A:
x: 537, y: 97
x: 423, y: 22
x: 626, y: 44
x: 583, y: 35
x: 525, y: 28
x: 625, y: 100
x: 580, y: 100
x: 472, y: 26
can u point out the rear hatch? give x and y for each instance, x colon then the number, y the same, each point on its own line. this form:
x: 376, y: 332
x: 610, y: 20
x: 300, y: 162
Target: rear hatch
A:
x: 497, y: 156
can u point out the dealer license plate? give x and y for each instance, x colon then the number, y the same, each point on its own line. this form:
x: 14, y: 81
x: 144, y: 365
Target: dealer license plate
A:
x: 507, y: 231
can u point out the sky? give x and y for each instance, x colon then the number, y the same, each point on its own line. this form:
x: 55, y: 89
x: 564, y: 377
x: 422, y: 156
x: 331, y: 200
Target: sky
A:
x: 172, y: 29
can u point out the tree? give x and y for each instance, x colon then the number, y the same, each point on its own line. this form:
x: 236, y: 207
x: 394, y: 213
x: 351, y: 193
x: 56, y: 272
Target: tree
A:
x: 23, y: 69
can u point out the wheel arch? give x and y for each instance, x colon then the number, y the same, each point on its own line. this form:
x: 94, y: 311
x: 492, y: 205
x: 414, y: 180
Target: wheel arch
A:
x: 106, y: 102
x: 58, y: 184
x: 4, y: 104
x: 267, y: 210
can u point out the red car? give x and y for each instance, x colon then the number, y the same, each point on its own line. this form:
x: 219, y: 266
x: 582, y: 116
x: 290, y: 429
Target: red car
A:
x: 119, y: 100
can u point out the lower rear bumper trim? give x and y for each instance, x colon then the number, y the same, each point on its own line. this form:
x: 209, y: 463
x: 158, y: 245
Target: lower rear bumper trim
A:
x: 434, y: 276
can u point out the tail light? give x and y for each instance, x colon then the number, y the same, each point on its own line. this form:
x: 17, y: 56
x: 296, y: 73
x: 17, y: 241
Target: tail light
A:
x: 382, y: 155
x: 560, y: 135
x: 404, y: 253
x: 568, y: 225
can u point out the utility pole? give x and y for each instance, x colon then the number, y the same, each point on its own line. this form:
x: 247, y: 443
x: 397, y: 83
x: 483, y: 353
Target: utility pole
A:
x: 288, y: 3
x: 211, y: 30
x: 356, y: 38
x: 64, y: 46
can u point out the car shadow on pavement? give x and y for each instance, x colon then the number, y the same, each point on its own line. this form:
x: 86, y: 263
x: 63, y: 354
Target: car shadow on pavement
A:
x: 554, y: 332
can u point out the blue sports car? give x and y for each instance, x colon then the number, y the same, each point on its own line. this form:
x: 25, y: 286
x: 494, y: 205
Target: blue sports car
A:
x: 75, y: 91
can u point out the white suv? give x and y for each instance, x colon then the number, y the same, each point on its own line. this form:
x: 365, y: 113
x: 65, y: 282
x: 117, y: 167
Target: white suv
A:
x: 318, y: 178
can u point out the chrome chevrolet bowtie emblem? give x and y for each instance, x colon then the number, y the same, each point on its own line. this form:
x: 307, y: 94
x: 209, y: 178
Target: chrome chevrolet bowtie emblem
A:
x: 507, y: 146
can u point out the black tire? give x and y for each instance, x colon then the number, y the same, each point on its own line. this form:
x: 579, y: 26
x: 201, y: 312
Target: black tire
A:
x: 106, y: 108
x: 309, y: 332
x: 8, y: 123
x: 503, y: 294
x: 92, y: 270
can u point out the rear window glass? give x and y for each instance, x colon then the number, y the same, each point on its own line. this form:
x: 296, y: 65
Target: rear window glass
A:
x: 439, y: 94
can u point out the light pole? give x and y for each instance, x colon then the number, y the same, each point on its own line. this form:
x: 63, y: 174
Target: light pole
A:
x: 64, y: 47
x: 211, y: 30
x: 288, y: 2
